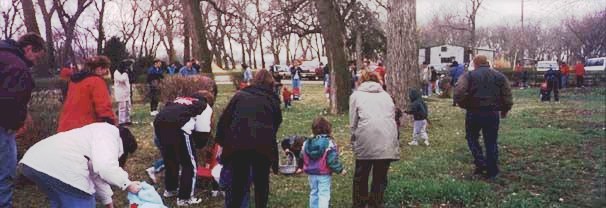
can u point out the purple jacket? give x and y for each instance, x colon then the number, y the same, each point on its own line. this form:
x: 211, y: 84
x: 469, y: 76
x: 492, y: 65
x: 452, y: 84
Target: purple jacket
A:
x: 320, y: 156
x: 16, y: 85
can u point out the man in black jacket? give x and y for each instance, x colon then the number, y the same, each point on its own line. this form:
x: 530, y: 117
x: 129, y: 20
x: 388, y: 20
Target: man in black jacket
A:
x: 484, y: 93
x: 247, y: 132
x: 16, y: 85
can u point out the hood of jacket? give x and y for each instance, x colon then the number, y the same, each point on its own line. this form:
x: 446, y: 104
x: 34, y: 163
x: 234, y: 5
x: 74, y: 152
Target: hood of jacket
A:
x: 371, y: 87
x: 11, y: 47
x: 77, y: 77
x: 414, y: 95
x: 316, y: 146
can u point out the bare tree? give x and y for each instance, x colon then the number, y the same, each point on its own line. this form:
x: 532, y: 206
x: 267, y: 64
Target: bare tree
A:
x: 168, y: 12
x: 11, y: 27
x: 68, y: 22
x: 193, y: 12
x: 333, y: 30
x: 29, y: 14
x: 402, y: 51
x: 47, y: 15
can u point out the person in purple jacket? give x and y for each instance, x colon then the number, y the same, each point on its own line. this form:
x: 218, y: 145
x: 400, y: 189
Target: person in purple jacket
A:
x: 16, y: 59
x: 321, y: 159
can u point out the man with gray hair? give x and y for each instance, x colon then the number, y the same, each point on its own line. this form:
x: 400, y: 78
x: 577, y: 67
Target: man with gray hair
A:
x: 484, y: 93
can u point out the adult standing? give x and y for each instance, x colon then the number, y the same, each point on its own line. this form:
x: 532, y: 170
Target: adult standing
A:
x: 374, y: 139
x: 248, y: 75
x: 353, y: 72
x: 552, y: 77
x: 517, y: 72
x: 456, y: 70
x: 380, y: 70
x: 433, y: 79
x: 326, y: 73
x: 579, y: 70
x: 122, y: 94
x: 295, y: 72
x: 154, y: 76
x: 277, y: 77
x: 76, y: 167
x: 88, y: 100
x: 188, y: 69
x: 484, y: 92
x: 247, y: 132
x: 16, y: 58
x: 564, y: 71
x: 425, y: 77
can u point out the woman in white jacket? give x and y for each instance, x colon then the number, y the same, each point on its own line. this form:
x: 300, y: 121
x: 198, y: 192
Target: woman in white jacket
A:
x: 76, y: 167
x: 122, y: 94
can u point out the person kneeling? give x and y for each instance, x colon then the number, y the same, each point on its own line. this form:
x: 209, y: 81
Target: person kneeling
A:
x: 72, y: 166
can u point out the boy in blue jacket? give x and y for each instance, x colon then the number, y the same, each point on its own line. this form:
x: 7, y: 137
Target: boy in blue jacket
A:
x: 321, y: 159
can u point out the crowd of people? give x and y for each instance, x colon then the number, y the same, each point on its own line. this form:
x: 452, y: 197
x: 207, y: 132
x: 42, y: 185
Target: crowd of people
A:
x: 76, y: 166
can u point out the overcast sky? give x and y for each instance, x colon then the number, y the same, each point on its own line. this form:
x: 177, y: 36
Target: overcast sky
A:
x: 492, y: 12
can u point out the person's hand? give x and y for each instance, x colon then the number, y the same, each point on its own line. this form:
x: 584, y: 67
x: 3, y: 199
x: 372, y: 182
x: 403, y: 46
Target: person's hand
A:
x: 344, y: 172
x: 287, y: 151
x: 134, y: 187
x: 504, y: 114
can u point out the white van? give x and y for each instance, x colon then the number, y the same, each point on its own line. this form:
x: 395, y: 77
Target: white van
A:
x: 595, y: 64
x: 543, y: 66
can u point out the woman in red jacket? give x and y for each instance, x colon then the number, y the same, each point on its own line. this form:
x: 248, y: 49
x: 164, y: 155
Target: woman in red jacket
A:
x: 88, y: 100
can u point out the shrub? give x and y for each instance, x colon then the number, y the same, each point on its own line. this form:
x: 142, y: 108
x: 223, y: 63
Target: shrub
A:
x: 44, y: 108
x: 174, y: 86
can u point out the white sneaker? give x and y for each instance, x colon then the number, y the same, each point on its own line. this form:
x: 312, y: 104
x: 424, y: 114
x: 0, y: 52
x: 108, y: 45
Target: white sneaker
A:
x: 413, y: 143
x: 190, y: 201
x: 153, y: 113
x: 151, y: 172
x: 169, y: 194
x: 426, y: 143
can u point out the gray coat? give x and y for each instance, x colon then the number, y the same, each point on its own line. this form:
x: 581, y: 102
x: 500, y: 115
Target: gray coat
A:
x: 373, y: 126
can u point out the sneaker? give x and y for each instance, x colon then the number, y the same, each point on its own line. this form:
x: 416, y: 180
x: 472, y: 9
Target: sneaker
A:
x: 153, y: 113
x: 169, y: 194
x: 151, y: 172
x: 190, y: 201
x: 413, y: 143
x: 426, y: 143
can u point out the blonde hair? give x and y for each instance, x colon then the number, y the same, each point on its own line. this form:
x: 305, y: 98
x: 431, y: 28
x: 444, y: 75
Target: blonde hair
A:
x: 365, y: 76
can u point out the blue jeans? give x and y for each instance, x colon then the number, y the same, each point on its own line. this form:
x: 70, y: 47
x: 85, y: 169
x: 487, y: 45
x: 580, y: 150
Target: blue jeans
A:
x: 8, y: 163
x: 319, y: 196
x: 488, y: 123
x: 59, y: 194
x: 159, y: 163
x: 564, y: 81
x: 296, y: 83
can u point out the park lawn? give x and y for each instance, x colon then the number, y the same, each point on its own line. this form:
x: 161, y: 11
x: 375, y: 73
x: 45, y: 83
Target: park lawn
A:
x: 551, y: 155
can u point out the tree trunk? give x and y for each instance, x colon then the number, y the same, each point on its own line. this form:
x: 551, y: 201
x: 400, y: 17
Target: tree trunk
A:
x: 48, y: 28
x: 200, y: 45
x: 231, y: 52
x: 261, y: 48
x: 100, y: 29
x: 288, y: 50
x: 29, y: 16
x: 333, y: 29
x: 402, y: 51
x: 359, y: 58
x: 243, y: 51
x: 186, y: 38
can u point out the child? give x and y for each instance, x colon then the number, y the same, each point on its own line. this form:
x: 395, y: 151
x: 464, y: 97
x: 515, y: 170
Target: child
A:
x: 544, y: 94
x: 287, y: 97
x: 321, y: 159
x: 294, y: 144
x: 419, y: 110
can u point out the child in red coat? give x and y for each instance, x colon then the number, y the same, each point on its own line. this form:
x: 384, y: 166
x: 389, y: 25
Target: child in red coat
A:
x: 286, y: 97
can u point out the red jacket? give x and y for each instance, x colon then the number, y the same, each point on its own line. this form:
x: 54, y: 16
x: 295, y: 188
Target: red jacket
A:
x: 286, y: 94
x: 87, y: 102
x: 565, y: 70
x: 381, y: 71
x: 579, y: 69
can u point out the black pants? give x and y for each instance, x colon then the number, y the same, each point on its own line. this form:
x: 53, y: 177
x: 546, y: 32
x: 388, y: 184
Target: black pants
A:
x: 553, y: 86
x: 154, y: 95
x: 488, y: 123
x: 580, y: 80
x: 242, y: 162
x: 361, y: 196
x: 178, y: 153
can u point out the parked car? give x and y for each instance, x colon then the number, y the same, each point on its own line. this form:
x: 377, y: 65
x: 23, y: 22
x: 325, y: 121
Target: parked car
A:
x: 596, y: 64
x: 284, y: 71
x: 543, y: 66
x: 309, y: 70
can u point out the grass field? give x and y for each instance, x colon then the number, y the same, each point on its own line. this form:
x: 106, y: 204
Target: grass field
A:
x: 551, y: 155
